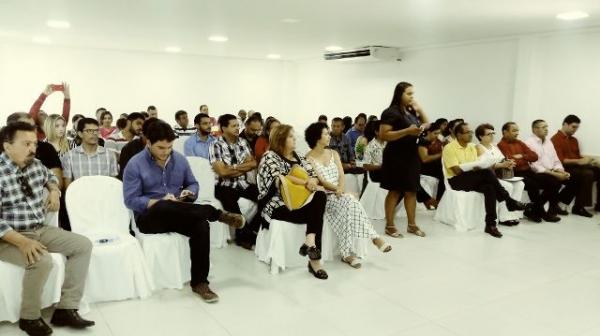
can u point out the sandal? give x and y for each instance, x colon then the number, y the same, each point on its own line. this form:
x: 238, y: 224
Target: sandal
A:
x: 319, y: 274
x: 385, y: 247
x: 415, y: 230
x: 354, y: 262
x: 393, y: 232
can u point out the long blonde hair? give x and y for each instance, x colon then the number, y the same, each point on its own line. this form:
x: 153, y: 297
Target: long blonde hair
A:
x: 51, y: 136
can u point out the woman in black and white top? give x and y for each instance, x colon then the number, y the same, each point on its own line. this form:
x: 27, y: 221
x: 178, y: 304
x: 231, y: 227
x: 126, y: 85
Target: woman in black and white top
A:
x: 278, y: 161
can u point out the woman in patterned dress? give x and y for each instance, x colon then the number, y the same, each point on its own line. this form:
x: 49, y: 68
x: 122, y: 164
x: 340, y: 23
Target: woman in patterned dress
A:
x: 344, y: 213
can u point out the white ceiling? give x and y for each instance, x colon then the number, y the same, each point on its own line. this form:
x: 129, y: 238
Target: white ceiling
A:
x: 255, y: 29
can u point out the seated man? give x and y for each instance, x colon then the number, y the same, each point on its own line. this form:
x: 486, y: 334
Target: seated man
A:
x: 341, y: 143
x: 357, y: 129
x: 133, y: 147
x: 466, y: 173
x: 158, y: 185
x: 88, y: 159
x: 252, y: 129
x: 198, y: 144
x: 516, y: 150
x: 24, y: 239
x: 132, y: 130
x: 584, y: 169
x: 232, y: 159
x: 549, y: 164
x: 181, y: 129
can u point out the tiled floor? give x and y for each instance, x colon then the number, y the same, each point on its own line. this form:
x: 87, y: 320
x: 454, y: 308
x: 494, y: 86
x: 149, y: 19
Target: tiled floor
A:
x: 540, y: 279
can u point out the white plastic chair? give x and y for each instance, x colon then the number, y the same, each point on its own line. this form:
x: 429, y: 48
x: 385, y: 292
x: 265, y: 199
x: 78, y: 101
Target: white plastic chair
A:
x: 11, y: 288
x: 354, y: 183
x: 179, y: 144
x: 278, y: 246
x: 219, y: 232
x: 461, y: 209
x: 118, y: 270
x: 515, y: 190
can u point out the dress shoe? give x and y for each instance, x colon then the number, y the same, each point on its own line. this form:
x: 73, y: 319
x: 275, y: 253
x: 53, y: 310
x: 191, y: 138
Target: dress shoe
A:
x: 581, y: 212
x: 509, y: 223
x: 319, y: 274
x: 205, y: 293
x: 313, y: 252
x: 532, y: 216
x: 493, y: 231
x: 556, y: 210
x: 513, y: 205
x: 234, y: 220
x: 551, y: 218
x: 244, y: 244
x: 70, y: 318
x: 35, y: 327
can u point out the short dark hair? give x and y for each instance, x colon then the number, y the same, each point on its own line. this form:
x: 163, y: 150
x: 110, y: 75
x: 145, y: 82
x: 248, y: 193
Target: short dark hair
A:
x: 198, y: 118
x: 8, y: 132
x: 105, y: 113
x: 147, y: 124
x: 452, y: 125
x: 459, y: 127
x: 440, y: 121
x: 76, y: 117
x: 480, y: 130
x: 151, y: 107
x: 135, y: 116
x: 253, y: 118
x: 145, y: 114
x: 159, y: 131
x: 507, y: 125
x: 434, y: 126
x: 371, y: 129
x: 203, y: 105
x: 572, y: 119
x: 359, y: 116
x: 179, y: 113
x: 337, y: 119
x: 313, y: 133
x: 121, y: 123
x: 322, y: 117
x: 536, y: 122
x: 86, y: 121
x: 100, y: 109
x: 15, y: 117
x: 225, y: 119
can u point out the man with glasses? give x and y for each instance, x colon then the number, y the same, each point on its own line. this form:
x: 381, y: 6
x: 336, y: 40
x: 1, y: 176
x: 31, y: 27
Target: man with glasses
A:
x: 466, y: 173
x: 231, y: 159
x: 24, y: 239
x: 541, y: 188
x: 88, y: 159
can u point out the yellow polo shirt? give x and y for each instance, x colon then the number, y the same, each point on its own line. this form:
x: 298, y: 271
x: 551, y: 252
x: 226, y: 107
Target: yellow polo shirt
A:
x: 454, y: 154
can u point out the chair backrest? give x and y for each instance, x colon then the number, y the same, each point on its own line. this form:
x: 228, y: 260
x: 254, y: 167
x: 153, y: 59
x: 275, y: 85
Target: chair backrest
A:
x: 448, y: 187
x: 204, y: 175
x: 96, y: 207
x: 179, y: 143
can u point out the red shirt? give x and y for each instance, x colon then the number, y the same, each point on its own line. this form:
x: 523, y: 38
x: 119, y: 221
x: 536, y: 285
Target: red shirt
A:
x: 512, y: 148
x: 261, y: 147
x: 34, y: 112
x: 567, y: 147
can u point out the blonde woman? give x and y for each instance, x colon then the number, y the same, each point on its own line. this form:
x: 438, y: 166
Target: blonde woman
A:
x: 55, y: 129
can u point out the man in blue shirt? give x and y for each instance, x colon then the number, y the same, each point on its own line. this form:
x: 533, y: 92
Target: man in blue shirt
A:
x: 159, y: 186
x: 198, y: 144
x: 357, y: 129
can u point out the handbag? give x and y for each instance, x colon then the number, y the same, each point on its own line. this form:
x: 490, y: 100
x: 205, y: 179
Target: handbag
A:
x: 294, y: 196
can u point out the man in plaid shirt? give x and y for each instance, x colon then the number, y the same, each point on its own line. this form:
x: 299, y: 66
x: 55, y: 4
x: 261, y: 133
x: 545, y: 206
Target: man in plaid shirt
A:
x: 231, y: 159
x: 24, y: 239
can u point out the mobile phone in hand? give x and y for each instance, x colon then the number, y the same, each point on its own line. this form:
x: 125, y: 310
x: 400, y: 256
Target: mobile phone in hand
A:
x: 58, y: 87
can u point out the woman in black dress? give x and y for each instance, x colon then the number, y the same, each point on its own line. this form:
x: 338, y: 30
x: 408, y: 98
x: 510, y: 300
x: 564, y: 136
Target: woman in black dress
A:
x: 400, y: 126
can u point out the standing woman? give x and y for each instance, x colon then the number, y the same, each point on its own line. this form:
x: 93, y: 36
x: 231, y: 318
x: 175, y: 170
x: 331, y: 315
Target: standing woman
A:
x: 401, y: 168
x: 56, y: 133
x: 106, y: 127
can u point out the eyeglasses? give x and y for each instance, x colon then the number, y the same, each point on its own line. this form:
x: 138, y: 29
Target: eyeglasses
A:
x: 25, y: 187
x: 91, y: 131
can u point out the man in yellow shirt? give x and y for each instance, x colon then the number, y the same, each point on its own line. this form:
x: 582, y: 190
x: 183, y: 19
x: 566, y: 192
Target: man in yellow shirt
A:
x: 466, y: 173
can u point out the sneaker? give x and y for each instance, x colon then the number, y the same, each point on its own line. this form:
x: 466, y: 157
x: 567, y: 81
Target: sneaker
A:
x: 232, y: 219
x: 205, y: 293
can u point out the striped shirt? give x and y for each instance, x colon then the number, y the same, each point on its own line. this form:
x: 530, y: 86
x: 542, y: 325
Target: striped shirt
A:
x: 77, y: 163
x: 116, y: 142
x: 22, y: 195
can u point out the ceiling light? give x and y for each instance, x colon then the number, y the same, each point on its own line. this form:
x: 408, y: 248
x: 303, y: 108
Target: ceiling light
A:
x: 273, y: 56
x: 41, y: 40
x: 290, y: 20
x: 58, y: 24
x: 574, y: 15
x: 218, y: 38
x: 173, y: 49
x: 333, y: 48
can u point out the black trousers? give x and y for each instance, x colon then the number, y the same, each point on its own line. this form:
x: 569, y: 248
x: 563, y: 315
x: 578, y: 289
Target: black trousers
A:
x: 229, y: 197
x: 541, y: 188
x: 190, y: 220
x: 310, y: 214
x: 579, y: 186
x: 434, y: 169
x: 483, y: 181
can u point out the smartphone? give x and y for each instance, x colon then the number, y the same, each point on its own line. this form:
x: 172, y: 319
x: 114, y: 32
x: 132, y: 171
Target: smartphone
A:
x: 190, y: 196
x: 58, y: 87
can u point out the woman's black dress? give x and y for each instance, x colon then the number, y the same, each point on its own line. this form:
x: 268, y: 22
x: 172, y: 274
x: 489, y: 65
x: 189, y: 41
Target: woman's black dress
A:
x: 401, y: 166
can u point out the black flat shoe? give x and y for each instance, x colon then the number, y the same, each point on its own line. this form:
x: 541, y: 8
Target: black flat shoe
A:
x: 551, y: 218
x: 35, y: 327
x: 493, y: 231
x: 70, y: 318
x: 312, y: 252
x: 320, y: 274
x: 532, y: 216
x: 513, y: 205
x: 556, y: 210
x: 582, y: 212
x: 509, y: 223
